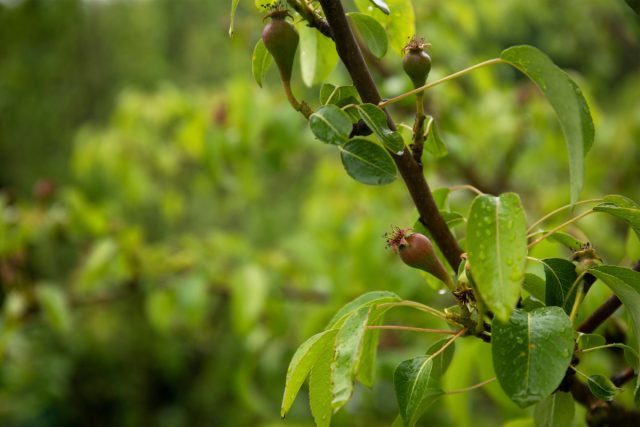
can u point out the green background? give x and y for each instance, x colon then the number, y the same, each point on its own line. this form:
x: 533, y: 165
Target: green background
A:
x: 170, y: 232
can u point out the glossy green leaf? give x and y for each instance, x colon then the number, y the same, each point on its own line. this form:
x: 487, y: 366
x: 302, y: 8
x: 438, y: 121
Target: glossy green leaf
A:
x: 567, y: 240
x: 452, y: 218
x: 376, y: 119
x: 560, y: 277
x: 320, y: 385
x: 433, y: 143
x: 381, y: 4
x: 602, y: 387
x: 365, y: 300
x: 301, y: 363
x: 567, y: 100
x: 330, y: 124
x: 399, y: 21
x: 318, y: 55
x: 260, y: 62
x: 497, y: 250
x: 534, y: 285
x: 370, y: 347
x: 556, y: 410
x: 371, y: 32
x: 531, y: 353
x: 338, y: 95
x: 623, y: 208
x: 232, y: 15
x: 348, y: 350
x: 367, y: 162
x: 625, y: 283
x: 415, y: 388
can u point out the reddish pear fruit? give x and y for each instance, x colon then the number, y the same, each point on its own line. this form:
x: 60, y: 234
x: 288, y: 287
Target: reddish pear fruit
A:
x: 281, y: 40
x: 416, y: 250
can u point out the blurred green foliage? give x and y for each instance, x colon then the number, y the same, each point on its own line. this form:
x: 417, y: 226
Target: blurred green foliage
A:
x: 187, y: 233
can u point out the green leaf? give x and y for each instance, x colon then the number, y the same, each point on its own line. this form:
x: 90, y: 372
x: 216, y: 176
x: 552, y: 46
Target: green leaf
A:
x: 567, y: 240
x: 625, y: 284
x: 380, y: 4
x: 440, y: 196
x: 556, y: 410
x: 567, y: 100
x: 260, y: 62
x: 602, y: 387
x: 301, y: 363
x: 367, y: 162
x: 320, y: 385
x: 338, y: 95
x: 497, y: 250
x: 534, y: 285
x: 415, y: 388
x: 560, y: 276
x: 433, y: 143
x: 370, y: 347
x: 623, y: 208
x: 441, y: 361
x: 376, y: 119
x: 348, y: 350
x: 371, y: 32
x: 531, y: 353
x: 318, y: 55
x: 55, y: 307
x: 365, y: 300
x: 330, y: 124
x: 452, y: 218
x: 620, y: 201
x: 232, y: 15
x: 398, y: 20
x: 263, y: 5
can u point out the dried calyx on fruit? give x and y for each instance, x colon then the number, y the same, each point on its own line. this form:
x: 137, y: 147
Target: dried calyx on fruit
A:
x: 416, y: 251
x: 585, y: 258
x: 416, y: 62
x: 281, y: 39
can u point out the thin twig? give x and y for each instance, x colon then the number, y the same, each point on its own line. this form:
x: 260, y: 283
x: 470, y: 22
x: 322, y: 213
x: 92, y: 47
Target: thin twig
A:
x: 465, y: 187
x: 554, y: 212
x: 561, y: 226
x: 473, y: 387
x: 413, y: 329
x: 439, y: 81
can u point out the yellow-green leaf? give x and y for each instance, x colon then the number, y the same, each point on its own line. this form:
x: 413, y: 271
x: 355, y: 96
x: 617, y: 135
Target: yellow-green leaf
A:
x: 567, y: 100
x: 497, y: 250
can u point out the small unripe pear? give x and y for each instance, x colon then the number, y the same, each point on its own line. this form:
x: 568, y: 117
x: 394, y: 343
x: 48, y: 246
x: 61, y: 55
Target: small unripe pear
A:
x: 416, y: 250
x: 281, y: 40
x: 416, y: 62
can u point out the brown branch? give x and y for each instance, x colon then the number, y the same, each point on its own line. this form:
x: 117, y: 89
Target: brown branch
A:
x: 313, y: 19
x: 623, y: 377
x: 352, y: 58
